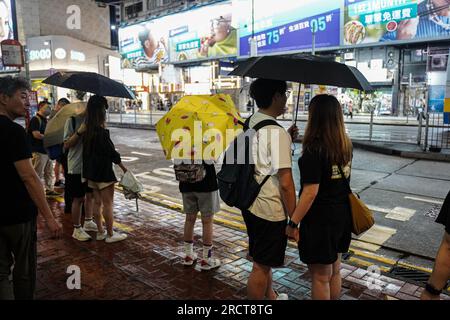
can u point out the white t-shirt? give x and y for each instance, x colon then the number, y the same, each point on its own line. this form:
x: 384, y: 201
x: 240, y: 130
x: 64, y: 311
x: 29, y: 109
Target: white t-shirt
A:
x: 75, y: 155
x: 272, y: 151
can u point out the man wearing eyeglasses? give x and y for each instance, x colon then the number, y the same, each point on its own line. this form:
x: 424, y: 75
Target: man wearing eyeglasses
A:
x: 266, y: 218
x: 223, y: 38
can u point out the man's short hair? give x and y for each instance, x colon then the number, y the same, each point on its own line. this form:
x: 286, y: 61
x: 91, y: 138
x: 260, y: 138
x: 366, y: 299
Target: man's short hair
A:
x: 263, y: 91
x: 9, y: 85
x: 63, y: 101
x: 42, y: 104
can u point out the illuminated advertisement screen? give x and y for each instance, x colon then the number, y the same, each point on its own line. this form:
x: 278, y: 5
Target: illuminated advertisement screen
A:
x: 368, y: 21
x: 203, y: 33
x: 281, y: 26
x: 6, y: 25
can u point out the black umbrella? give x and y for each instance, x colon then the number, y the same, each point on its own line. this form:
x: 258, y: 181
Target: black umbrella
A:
x: 90, y: 82
x: 304, y: 69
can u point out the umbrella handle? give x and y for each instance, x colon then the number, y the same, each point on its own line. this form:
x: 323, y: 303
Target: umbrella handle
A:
x: 296, y: 108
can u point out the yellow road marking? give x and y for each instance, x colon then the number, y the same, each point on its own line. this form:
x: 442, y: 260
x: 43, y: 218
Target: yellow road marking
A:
x: 411, y: 266
x: 374, y: 257
x: 365, y: 263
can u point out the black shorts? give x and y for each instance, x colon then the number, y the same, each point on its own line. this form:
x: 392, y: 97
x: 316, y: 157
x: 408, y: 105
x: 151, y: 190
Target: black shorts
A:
x: 267, y: 240
x: 324, y: 232
x: 444, y: 214
x: 75, y: 187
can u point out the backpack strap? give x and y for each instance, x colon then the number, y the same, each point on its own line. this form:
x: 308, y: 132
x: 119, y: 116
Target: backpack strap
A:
x: 262, y: 124
x: 265, y: 123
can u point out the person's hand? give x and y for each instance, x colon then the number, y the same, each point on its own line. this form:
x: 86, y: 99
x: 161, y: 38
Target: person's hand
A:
x: 293, y: 233
x: 82, y: 128
x: 124, y: 169
x: 293, y: 131
x: 407, y: 29
x: 55, y: 228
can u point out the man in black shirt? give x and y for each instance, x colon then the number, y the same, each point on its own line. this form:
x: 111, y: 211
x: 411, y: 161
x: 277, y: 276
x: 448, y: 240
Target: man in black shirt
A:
x: 42, y: 163
x: 200, y: 196
x: 21, y: 196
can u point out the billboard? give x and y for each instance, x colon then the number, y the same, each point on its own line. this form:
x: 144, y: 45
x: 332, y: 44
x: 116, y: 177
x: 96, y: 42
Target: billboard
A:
x: 6, y: 25
x: 203, y: 33
x: 369, y: 21
x: 282, y: 26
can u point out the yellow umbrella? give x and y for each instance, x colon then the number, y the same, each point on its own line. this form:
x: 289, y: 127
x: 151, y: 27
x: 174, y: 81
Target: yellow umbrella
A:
x: 199, y: 127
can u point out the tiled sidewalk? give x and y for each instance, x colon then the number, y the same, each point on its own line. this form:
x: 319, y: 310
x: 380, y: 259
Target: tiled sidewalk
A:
x: 148, y: 264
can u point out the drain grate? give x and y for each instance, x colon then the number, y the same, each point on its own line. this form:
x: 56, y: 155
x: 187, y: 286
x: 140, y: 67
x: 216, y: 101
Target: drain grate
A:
x: 433, y: 212
x: 410, y: 274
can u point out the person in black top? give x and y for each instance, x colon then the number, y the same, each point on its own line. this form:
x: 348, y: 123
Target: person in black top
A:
x: 200, y: 196
x: 21, y: 196
x: 99, y: 154
x: 42, y: 163
x: 323, y: 210
x: 441, y: 269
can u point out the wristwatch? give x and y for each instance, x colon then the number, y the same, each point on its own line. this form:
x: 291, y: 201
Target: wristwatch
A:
x: 78, y: 134
x: 292, y: 224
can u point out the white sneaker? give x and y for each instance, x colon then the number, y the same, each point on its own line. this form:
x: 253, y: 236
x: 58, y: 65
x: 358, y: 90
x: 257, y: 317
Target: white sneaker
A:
x: 101, y: 236
x: 281, y: 296
x: 80, y: 234
x: 90, y: 226
x: 189, y: 259
x: 116, y: 237
x: 209, y: 264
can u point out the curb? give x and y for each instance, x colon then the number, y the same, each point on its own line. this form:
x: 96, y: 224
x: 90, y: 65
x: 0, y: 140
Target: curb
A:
x: 424, y: 155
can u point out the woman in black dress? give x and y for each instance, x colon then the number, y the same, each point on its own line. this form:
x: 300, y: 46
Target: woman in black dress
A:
x: 321, y: 222
x: 441, y: 270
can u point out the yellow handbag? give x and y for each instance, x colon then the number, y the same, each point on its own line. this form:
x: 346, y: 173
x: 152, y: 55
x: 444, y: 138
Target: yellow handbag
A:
x: 362, y: 217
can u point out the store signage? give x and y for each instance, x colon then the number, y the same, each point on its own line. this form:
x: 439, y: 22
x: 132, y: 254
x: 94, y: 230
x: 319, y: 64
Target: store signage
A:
x: 281, y: 26
x: 60, y: 53
x: 203, y: 33
x: 12, y: 53
x: 368, y: 21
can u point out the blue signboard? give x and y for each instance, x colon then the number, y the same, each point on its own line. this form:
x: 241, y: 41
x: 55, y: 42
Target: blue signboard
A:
x: 281, y: 26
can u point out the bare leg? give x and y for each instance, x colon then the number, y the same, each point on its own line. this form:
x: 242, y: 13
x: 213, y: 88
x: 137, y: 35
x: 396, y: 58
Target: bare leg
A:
x: 441, y: 270
x: 321, y: 278
x: 88, y: 205
x: 76, y: 211
x: 107, y: 195
x: 207, y: 223
x: 258, y: 282
x: 270, y: 293
x: 189, y: 227
x: 96, y: 208
x: 336, y: 280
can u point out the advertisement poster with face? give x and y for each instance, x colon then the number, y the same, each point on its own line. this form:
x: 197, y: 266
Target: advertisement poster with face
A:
x: 368, y: 21
x: 6, y: 26
x: 206, y: 32
x: 282, y: 26
x: 201, y: 33
x: 144, y: 45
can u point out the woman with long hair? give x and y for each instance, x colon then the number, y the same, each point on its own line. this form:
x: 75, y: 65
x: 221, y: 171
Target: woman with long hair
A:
x: 99, y: 154
x: 321, y: 223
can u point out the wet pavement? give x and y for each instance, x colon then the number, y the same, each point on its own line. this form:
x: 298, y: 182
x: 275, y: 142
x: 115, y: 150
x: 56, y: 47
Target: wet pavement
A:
x: 148, y: 264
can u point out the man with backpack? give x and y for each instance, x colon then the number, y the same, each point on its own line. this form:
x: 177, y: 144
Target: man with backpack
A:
x: 263, y: 187
x: 41, y: 162
x: 198, y: 186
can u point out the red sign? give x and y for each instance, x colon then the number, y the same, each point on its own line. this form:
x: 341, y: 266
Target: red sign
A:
x: 12, y: 53
x: 32, y: 109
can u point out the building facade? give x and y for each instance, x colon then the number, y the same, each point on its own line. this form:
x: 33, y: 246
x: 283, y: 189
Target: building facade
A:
x: 401, y: 63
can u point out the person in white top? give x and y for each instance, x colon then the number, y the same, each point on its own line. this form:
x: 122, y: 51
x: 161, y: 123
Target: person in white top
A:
x: 266, y: 218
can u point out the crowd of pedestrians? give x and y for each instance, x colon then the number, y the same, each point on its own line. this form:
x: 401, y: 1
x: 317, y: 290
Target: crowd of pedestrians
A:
x: 318, y: 218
